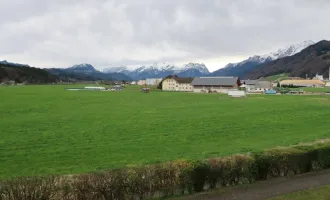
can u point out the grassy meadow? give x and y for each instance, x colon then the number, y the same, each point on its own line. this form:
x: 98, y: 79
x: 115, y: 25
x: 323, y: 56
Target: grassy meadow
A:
x: 276, y: 77
x: 48, y: 130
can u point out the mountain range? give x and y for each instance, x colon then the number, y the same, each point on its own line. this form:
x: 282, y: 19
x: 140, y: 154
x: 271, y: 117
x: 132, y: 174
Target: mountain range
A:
x: 241, y: 68
x: 315, y: 59
x: 296, y: 60
x: 85, y: 72
x: 24, y: 73
x: 161, y: 70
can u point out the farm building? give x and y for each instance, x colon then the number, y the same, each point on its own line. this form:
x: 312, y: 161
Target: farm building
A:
x: 141, y: 82
x: 258, y: 85
x: 175, y: 83
x: 327, y: 84
x: 117, y: 88
x: 153, y: 81
x: 215, y: 84
x: 303, y: 83
x: 94, y: 88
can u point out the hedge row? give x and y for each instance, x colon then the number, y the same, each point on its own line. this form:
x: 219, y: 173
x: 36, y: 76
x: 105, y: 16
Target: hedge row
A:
x: 174, y: 178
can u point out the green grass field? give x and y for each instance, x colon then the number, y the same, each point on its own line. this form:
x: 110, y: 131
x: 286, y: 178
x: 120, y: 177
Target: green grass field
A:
x: 326, y: 89
x: 48, y: 130
x: 275, y: 77
x: 322, y: 193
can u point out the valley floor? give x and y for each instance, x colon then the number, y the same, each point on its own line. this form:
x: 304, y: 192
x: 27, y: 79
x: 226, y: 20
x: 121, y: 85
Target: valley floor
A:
x: 50, y: 130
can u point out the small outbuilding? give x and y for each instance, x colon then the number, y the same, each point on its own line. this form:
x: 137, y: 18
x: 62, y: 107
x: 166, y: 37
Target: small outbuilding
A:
x: 117, y: 88
x: 145, y: 90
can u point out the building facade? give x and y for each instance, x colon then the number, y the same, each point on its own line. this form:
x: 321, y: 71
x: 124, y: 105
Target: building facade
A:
x: 153, y: 81
x: 175, y: 83
x: 215, y: 84
x: 141, y: 82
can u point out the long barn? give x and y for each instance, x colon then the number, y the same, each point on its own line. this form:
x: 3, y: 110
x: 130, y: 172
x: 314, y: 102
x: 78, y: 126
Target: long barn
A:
x: 215, y: 84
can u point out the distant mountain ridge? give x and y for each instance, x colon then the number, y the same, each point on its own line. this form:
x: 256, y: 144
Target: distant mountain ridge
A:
x: 161, y: 70
x: 253, y: 67
x: 310, y: 61
x: 241, y: 68
x: 86, y: 72
x: 4, y: 62
x: 20, y: 73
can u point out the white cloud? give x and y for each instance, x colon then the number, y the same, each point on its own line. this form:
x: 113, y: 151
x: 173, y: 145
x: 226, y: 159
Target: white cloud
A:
x: 130, y: 32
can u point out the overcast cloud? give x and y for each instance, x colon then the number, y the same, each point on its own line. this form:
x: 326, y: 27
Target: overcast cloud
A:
x: 134, y: 32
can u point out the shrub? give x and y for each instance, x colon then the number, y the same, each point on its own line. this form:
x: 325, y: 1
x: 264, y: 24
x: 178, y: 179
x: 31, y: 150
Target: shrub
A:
x: 37, y: 188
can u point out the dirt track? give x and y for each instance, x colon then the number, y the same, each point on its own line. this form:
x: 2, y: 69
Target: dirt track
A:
x: 267, y: 189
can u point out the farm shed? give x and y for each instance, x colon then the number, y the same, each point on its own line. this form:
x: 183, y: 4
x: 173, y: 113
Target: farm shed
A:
x: 175, y: 83
x: 258, y: 85
x: 215, y: 84
x: 94, y: 88
x: 117, y: 88
x: 236, y: 93
x: 303, y: 83
x: 270, y: 92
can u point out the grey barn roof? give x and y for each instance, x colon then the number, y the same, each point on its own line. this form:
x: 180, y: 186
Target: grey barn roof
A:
x: 215, y: 81
x: 249, y: 82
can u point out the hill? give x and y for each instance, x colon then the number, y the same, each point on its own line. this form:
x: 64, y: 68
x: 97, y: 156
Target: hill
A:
x: 24, y: 73
x: 244, y: 67
x: 312, y: 60
x: 86, y: 72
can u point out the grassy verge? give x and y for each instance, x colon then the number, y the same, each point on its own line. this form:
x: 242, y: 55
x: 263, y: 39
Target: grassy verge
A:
x: 322, y: 193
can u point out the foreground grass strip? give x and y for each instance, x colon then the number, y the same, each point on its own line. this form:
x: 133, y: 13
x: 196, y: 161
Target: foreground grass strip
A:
x: 173, y: 178
x: 322, y: 193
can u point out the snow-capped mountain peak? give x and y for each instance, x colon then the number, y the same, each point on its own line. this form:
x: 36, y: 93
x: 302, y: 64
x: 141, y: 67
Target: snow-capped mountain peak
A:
x: 239, y: 69
x: 120, y: 69
x: 197, y: 66
x: 85, y: 67
x: 293, y: 49
x: 162, y: 69
x: 289, y: 51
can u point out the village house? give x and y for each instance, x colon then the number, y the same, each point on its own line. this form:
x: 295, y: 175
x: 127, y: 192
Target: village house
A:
x: 175, y: 83
x: 215, y: 84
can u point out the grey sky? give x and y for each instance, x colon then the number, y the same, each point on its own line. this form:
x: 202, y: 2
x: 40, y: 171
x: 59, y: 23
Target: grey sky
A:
x: 133, y: 32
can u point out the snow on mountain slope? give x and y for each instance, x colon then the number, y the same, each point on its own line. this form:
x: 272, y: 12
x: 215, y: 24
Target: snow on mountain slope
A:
x: 83, y: 67
x: 240, y: 68
x: 288, y: 51
x: 120, y: 69
x: 162, y: 69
